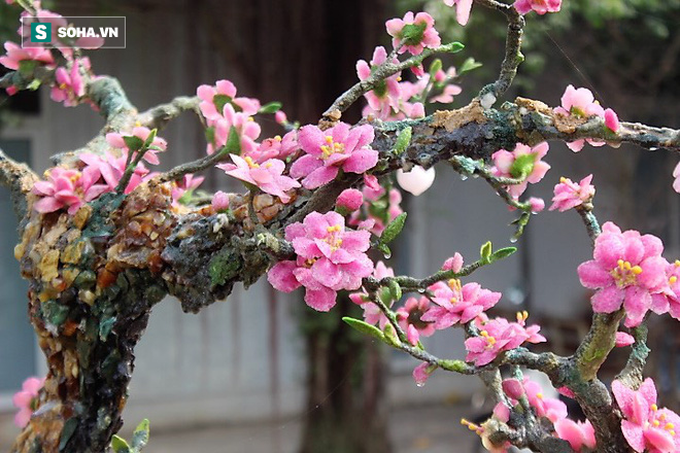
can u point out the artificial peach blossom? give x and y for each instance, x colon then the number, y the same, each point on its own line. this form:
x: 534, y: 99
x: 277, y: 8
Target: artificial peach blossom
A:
x: 568, y: 194
x: 413, y: 33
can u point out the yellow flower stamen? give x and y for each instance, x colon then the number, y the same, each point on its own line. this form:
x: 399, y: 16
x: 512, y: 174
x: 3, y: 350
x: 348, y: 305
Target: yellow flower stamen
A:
x: 669, y: 426
x: 673, y: 279
x: 249, y: 161
x: 655, y: 407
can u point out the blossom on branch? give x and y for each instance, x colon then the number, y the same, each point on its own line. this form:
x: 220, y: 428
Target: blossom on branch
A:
x: 568, y: 194
x: 372, y: 313
x: 455, y: 303
x: 581, y: 103
x: 329, y: 259
x: 26, y: 400
x: 69, y: 86
x: 540, y: 6
x: 158, y: 144
x: 329, y: 151
x: 498, y: 335
x: 215, y: 98
x: 267, y: 176
x: 645, y: 426
x: 384, y: 98
x: 410, y: 318
x: 523, y: 163
x: 627, y: 270
x: 413, y: 33
x: 67, y: 188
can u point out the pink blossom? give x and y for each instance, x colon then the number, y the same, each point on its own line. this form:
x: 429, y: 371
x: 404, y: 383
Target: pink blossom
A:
x: 540, y: 6
x: 372, y: 313
x: 276, y: 147
x: 578, y: 434
x: 580, y: 103
x: 410, y: 318
x: 463, y: 8
x: 623, y: 339
x: 413, y: 34
x: 385, y: 96
x: 536, y: 204
x: 458, y: 304
x: 67, y: 188
x: 247, y: 130
x: 117, y: 140
x: 281, y: 117
x: 551, y: 408
x: 69, y: 87
x: 381, y: 207
x: 329, y: 259
x: 350, y: 200
x: 627, y: 270
x: 422, y: 372
x: 26, y: 400
x: 513, y: 388
x: 17, y: 54
x: 455, y: 263
x: 215, y: 98
x: 220, y: 201
x: 446, y: 97
x: 522, y: 163
x: 498, y: 335
x: 417, y: 180
x: 329, y: 151
x: 611, y: 120
x: 112, y: 168
x: 187, y: 184
x: 267, y: 176
x: 645, y: 426
x: 569, y: 194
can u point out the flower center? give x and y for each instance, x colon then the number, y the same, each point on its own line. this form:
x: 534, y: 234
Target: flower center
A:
x: 625, y: 274
x: 490, y: 340
x: 334, y: 239
x: 331, y: 147
x: 659, y: 420
x: 251, y: 164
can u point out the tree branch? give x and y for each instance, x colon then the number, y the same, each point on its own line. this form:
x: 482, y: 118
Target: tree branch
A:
x: 19, y: 180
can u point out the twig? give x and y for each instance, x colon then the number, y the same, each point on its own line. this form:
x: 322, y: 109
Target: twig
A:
x: 159, y: 116
x: 382, y: 72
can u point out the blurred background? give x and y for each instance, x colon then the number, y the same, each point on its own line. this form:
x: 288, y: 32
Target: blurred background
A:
x: 263, y: 373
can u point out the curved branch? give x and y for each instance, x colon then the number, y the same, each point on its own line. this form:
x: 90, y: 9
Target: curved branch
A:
x: 159, y: 116
x: 19, y: 179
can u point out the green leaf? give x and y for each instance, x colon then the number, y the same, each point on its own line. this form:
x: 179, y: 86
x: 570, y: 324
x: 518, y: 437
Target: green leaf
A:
x: 149, y: 140
x: 210, y: 134
x: 403, y: 140
x: 133, y: 142
x: 34, y: 85
x: 272, y: 107
x: 364, y: 327
x: 395, y: 290
x: 523, y: 166
x: 502, y: 253
x: 455, y: 47
x: 453, y: 365
x: 391, y: 337
x: 233, y: 145
x: 67, y: 432
x: 26, y: 67
x: 386, y: 296
x: 393, y: 229
x: 141, y: 435
x: 385, y: 250
x: 119, y: 445
x: 469, y: 65
x: 435, y: 67
x: 485, y: 251
x: 220, y: 100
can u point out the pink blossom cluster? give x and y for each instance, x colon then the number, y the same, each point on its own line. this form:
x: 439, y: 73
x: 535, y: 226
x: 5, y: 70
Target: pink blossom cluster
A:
x: 26, y: 400
x: 224, y: 111
x: 70, y: 188
x: 327, y: 152
x: 498, y: 335
x: 580, y: 435
x: 267, y: 176
x: 628, y: 270
x: 16, y: 54
x: 581, y: 103
x: 413, y: 33
x: 568, y: 194
x: 330, y: 258
x: 443, y: 80
x: 645, y: 426
x: 380, y: 207
x: 158, y: 144
x: 69, y: 85
x: 523, y: 163
x: 455, y: 303
x: 540, y: 6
